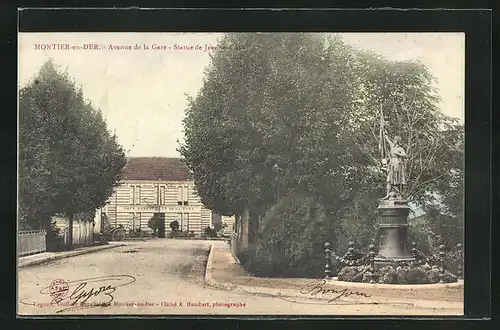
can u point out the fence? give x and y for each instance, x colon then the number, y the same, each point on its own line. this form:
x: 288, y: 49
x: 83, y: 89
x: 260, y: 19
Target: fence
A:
x: 31, y: 242
x: 83, y: 233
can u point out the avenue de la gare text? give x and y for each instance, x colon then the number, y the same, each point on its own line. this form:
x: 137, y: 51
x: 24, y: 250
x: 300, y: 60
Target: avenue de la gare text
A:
x: 95, y: 46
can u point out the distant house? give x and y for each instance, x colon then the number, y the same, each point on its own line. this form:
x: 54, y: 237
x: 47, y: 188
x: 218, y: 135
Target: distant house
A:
x: 157, y: 186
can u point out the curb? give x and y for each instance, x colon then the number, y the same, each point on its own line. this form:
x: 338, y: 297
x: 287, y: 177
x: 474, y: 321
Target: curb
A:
x: 68, y: 255
x: 270, y: 292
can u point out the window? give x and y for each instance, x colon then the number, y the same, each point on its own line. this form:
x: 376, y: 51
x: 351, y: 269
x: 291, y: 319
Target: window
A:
x: 160, y: 195
x: 135, y: 194
x: 135, y: 220
x: 182, y: 195
x: 183, y: 219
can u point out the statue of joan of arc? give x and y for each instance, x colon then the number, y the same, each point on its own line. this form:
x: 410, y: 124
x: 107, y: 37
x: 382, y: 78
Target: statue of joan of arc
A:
x: 396, y: 165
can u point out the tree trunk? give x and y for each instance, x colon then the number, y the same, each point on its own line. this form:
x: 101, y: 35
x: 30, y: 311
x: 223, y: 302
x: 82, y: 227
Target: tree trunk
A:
x: 244, y: 229
x: 70, y: 230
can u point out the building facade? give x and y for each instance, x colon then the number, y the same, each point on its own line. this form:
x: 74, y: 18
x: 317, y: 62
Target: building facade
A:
x: 157, y: 186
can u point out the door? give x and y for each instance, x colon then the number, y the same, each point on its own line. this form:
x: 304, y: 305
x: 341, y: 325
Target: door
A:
x: 161, y: 224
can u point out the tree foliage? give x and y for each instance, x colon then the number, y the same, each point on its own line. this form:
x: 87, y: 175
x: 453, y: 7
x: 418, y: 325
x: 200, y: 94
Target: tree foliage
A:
x: 68, y: 161
x: 293, y: 247
x: 296, y: 113
x: 264, y: 121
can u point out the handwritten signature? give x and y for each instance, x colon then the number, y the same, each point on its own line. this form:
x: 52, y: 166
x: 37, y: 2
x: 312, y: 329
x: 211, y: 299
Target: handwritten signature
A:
x: 315, y: 288
x: 78, y: 294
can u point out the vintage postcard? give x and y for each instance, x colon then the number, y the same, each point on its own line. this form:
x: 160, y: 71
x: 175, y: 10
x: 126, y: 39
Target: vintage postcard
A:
x: 241, y: 174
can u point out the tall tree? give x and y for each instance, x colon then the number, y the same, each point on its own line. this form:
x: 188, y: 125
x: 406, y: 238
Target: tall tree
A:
x: 69, y: 162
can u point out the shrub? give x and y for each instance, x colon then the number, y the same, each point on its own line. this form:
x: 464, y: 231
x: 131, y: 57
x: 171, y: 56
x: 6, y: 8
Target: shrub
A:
x: 174, y: 225
x: 387, y: 275
x: 419, y: 236
x: 432, y: 275
x: 154, y: 223
x: 290, y: 240
x: 246, y: 256
x: 416, y: 276
x: 210, y: 232
x: 401, y: 274
x: 351, y: 273
x: 449, y: 277
x: 406, y: 274
x: 219, y: 228
x: 53, y: 232
x: 358, y: 223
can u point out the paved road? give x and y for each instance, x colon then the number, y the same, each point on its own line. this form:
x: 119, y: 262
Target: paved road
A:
x: 160, y: 277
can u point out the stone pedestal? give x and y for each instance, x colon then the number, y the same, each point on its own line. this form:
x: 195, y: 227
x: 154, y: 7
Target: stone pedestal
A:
x: 393, y: 232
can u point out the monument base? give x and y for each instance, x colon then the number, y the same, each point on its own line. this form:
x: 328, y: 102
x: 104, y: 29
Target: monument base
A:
x: 392, y: 233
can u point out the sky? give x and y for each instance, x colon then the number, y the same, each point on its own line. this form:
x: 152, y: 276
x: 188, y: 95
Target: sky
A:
x: 142, y: 92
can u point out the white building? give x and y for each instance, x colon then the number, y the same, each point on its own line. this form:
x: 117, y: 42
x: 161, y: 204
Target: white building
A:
x: 162, y: 186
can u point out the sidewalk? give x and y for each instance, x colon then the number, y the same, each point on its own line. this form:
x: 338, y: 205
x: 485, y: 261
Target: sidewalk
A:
x: 223, y: 272
x: 40, y: 258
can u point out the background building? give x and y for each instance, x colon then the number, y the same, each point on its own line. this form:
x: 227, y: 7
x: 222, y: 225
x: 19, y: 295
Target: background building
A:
x: 157, y: 185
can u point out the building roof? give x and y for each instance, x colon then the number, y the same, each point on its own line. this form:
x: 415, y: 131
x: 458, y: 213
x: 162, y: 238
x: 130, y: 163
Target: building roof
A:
x: 156, y: 168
